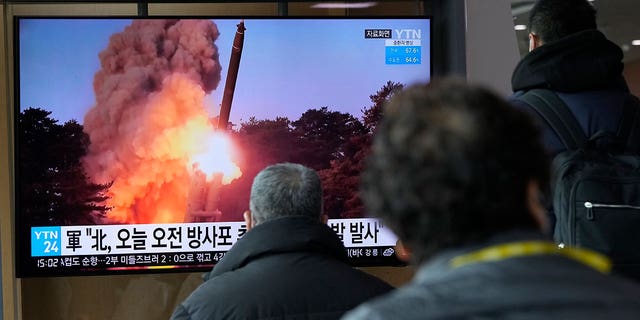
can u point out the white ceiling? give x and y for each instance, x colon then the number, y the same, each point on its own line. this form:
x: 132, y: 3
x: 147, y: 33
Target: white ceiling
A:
x: 619, y: 20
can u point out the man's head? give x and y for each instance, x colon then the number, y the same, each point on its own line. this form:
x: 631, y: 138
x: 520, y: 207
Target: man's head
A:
x: 551, y: 20
x: 453, y: 164
x: 284, y: 189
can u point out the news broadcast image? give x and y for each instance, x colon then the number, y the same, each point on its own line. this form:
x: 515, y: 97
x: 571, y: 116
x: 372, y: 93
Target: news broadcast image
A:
x: 137, y: 140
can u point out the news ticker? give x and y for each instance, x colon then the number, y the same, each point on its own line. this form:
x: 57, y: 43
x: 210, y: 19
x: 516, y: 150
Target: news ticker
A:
x: 156, y: 261
x: 189, y: 238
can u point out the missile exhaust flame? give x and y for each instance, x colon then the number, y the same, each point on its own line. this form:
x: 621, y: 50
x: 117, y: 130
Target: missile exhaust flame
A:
x: 217, y: 159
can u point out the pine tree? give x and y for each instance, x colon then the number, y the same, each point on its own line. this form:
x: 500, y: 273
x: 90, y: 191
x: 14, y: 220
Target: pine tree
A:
x: 53, y: 186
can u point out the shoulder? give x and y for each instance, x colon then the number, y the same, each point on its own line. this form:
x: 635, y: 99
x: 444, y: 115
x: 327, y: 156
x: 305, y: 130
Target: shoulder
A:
x: 373, y: 310
x: 206, y: 300
x: 364, y: 312
x: 180, y: 313
x: 408, y: 302
x: 515, y: 101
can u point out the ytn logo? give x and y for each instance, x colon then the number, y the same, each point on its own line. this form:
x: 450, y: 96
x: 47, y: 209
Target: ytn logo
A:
x: 408, y: 33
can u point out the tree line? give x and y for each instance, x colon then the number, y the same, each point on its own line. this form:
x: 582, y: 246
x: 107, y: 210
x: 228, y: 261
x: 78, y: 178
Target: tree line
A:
x: 53, y: 188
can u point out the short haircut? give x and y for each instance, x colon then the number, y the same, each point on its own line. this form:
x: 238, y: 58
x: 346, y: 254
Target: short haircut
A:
x: 285, y: 189
x: 555, y: 19
x: 450, y: 165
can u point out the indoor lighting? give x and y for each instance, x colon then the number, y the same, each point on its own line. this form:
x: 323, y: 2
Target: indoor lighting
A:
x: 520, y: 27
x: 635, y: 43
x: 351, y: 5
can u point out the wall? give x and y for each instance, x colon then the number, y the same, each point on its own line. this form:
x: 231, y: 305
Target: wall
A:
x: 632, y: 74
x: 491, y: 46
x: 10, y: 287
x: 106, y: 297
x: 127, y: 297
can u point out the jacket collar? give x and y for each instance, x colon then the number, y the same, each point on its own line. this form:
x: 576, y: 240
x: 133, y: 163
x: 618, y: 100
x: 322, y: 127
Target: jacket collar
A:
x: 440, y: 264
x: 586, y: 60
x: 282, y: 235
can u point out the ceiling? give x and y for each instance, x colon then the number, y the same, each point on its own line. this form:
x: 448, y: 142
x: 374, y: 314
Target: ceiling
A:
x: 619, y: 20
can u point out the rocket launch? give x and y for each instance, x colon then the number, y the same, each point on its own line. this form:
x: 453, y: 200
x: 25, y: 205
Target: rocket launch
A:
x: 203, y: 196
x: 232, y: 75
x: 149, y: 120
x: 204, y: 193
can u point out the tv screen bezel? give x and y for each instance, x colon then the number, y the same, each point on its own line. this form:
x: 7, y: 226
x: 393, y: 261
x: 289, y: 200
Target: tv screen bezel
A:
x: 22, y: 238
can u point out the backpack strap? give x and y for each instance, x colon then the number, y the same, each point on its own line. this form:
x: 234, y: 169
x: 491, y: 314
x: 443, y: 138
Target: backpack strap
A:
x: 629, y: 126
x: 556, y: 113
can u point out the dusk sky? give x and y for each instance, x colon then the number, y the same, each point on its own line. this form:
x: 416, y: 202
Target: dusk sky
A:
x: 287, y: 65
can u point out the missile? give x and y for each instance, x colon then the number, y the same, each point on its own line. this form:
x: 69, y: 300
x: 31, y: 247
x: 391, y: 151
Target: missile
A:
x: 232, y: 75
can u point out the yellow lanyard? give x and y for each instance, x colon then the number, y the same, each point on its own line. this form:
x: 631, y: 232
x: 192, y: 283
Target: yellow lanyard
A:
x: 530, y: 248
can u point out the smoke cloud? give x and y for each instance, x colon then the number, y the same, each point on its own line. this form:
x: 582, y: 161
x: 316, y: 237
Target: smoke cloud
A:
x: 149, y: 116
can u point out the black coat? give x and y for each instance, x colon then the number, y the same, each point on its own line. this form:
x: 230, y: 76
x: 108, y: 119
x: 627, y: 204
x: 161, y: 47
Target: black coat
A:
x: 288, y: 268
x: 585, y: 71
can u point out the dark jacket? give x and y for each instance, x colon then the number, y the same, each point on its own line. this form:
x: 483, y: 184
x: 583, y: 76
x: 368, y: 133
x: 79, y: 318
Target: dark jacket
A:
x: 540, y: 286
x: 585, y: 71
x: 287, y: 268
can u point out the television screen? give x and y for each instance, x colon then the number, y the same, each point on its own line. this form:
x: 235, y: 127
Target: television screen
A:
x: 137, y: 139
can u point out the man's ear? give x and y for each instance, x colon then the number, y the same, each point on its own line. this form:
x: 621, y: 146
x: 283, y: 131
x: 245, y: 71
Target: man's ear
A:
x: 536, y: 209
x: 247, y: 219
x: 534, y: 41
x: 324, y: 218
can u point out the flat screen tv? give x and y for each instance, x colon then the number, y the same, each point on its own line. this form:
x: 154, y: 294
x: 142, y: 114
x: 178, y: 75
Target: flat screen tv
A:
x: 137, y: 139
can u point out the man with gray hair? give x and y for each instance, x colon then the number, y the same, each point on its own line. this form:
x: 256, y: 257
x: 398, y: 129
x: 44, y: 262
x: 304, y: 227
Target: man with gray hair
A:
x: 289, y: 264
x: 285, y: 190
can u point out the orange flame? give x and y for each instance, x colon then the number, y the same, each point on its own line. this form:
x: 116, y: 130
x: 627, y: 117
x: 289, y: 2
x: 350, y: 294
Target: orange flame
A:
x: 148, y: 152
x: 216, y: 158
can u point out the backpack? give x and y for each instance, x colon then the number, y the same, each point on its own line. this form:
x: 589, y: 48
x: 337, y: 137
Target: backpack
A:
x: 595, y: 183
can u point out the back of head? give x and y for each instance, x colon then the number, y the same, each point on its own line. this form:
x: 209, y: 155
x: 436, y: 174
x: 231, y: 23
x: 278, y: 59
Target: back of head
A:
x: 285, y: 189
x: 450, y: 165
x: 555, y: 19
